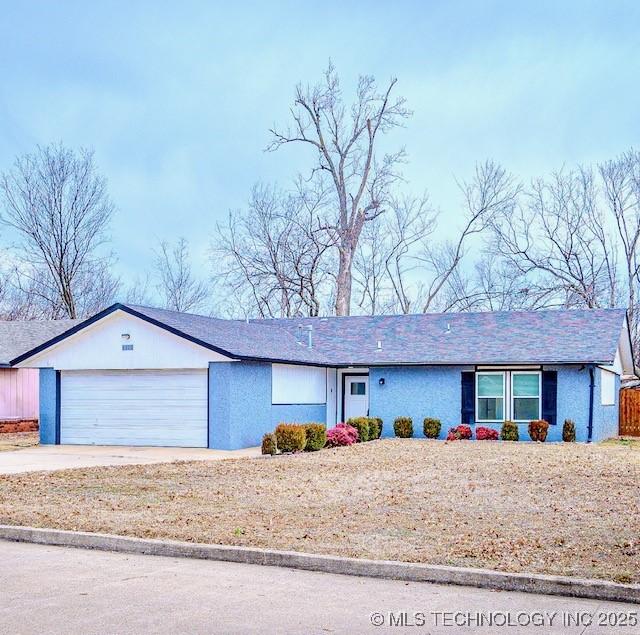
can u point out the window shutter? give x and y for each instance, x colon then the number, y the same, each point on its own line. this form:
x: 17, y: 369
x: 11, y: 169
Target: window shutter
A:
x: 550, y: 396
x: 468, y: 382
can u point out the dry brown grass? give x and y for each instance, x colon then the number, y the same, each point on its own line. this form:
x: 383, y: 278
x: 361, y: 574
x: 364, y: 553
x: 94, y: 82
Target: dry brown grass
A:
x: 16, y: 440
x: 569, y: 509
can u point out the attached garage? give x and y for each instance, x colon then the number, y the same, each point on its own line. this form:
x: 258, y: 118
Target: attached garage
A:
x: 134, y: 407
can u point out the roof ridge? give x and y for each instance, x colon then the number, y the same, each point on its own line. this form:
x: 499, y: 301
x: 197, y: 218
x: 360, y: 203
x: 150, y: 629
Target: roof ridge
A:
x: 443, y: 314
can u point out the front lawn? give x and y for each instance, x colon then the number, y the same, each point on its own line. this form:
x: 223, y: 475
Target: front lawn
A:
x: 569, y: 509
x: 16, y: 440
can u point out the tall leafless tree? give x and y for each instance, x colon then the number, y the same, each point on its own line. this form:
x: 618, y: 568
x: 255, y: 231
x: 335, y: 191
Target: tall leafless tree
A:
x: 345, y: 145
x: 58, y: 206
x: 621, y: 188
x: 273, y: 255
x: 557, y: 238
x: 177, y: 285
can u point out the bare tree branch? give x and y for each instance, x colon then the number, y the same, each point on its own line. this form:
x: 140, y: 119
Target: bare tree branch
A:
x: 58, y: 205
x: 177, y: 285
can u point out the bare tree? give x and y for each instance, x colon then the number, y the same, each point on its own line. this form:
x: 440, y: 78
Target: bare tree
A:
x: 409, y: 226
x: 178, y: 287
x: 557, y: 239
x: 420, y: 273
x: 370, y: 280
x: 139, y: 291
x: 345, y: 145
x: 273, y: 256
x: 621, y: 187
x: 58, y: 205
x: 492, y: 192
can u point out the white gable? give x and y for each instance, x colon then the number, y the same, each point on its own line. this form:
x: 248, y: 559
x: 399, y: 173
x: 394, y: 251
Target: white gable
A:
x: 624, y: 355
x: 623, y: 362
x: 104, y: 345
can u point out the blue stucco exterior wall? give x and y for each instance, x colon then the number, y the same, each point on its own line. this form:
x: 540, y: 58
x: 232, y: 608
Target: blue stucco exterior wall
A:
x: 416, y: 392
x: 573, y: 402
x: 605, y: 418
x: 48, y: 405
x: 240, y: 409
x: 239, y: 404
x: 420, y: 392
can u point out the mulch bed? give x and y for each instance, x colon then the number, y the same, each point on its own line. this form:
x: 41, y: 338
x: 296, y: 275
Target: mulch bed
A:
x: 569, y: 509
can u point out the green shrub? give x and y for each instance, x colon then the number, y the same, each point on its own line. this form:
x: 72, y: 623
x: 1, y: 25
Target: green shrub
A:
x: 538, y: 429
x: 509, y: 431
x: 291, y: 437
x: 431, y: 428
x: 269, y: 444
x: 569, y: 431
x: 403, y: 427
x: 362, y: 425
x: 316, y: 435
x: 375, y: 428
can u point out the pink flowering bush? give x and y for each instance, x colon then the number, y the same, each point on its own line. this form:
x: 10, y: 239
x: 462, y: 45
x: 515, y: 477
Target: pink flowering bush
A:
x: 486, y: 434
x: 459, y: 432
x: 342, y: 434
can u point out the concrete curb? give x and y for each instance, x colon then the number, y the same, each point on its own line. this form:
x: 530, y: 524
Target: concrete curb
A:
x: 412, y: 572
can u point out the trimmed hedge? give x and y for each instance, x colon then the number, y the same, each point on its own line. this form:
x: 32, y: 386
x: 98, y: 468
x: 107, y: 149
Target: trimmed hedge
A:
x: 569, y: 431
x: 291, y: 437
x: 538, y: 429
x: 269, y: 443
x: 509, y: 431
x: 431, y: 428
x: 375, y: 428
x: 369, y: 428
x: 403, y: 427
x: 361, y: 424
x: 316, y: 436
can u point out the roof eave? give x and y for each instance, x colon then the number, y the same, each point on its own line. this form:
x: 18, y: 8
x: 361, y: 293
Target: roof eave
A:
x: 471, y: 363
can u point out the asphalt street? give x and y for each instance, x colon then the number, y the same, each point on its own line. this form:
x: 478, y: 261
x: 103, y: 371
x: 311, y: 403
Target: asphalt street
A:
x: 62, y: 590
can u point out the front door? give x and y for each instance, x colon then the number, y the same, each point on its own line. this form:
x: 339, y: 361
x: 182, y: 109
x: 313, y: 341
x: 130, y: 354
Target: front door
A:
x: 356, y: 396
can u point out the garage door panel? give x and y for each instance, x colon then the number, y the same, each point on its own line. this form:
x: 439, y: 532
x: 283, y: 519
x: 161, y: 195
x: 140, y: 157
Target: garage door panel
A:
x: 162, y: 408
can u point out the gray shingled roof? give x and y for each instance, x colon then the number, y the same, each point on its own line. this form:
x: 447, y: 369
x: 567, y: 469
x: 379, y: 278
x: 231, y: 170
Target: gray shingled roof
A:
x: 568, y: 336
x: 573, y: 336
x: 19, y: 336
x: 241, y: 339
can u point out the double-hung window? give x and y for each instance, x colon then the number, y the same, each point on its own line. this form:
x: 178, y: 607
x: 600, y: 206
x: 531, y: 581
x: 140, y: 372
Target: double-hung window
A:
x: 512, y: 394
x: 490, y: 389
x: 525, y: 396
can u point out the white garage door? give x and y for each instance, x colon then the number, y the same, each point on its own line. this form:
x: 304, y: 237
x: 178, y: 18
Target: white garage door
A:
x: 134, y: 407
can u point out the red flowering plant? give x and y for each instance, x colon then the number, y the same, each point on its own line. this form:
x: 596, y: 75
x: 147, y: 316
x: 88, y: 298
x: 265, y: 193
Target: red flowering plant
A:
x: 342, y: 434
x: 459, y: 433
x: 486, y: 434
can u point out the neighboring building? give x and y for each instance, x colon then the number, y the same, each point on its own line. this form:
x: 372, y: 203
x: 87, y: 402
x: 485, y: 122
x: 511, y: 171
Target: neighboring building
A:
x: 19, y: 407
x: 140, y: 376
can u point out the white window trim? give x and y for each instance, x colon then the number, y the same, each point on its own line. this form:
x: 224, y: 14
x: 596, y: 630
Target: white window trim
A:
x: 503, y: 396
x: 513, y: 397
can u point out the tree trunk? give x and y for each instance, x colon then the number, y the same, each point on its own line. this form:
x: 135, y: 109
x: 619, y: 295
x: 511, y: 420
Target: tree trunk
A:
x: 343, y: 281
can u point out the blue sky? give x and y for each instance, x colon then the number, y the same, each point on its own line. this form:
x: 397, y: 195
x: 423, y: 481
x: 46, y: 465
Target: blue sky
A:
x: 176, y: 99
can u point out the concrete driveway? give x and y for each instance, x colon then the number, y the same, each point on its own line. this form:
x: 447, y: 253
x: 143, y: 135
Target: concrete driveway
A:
x: 61, y: 457
x: 62, y: 590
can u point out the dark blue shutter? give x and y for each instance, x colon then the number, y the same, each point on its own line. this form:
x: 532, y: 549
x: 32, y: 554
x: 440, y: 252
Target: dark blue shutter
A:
x: 550, y: 396
x: 468, y: 383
